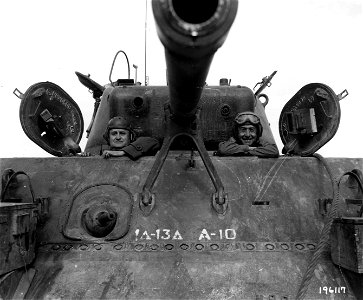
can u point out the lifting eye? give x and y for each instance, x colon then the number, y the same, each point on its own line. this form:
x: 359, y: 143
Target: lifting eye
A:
x: 138, y: 102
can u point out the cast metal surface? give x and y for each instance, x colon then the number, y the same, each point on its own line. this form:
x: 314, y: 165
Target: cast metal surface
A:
x: 144, y: 107
x: 17, y: 234
x: 347, y: 243
x: 100, y: 210
x: 191, y: 251
x: 51, y: 119
x: 309, y: 119
x: 147, y: 198
x: 149, y: 229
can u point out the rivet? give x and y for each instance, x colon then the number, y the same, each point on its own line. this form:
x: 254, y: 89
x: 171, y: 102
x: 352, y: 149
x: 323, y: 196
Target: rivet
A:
x: 199, y: 247
x: 67, y: 247
x: 299, y: 246
x: 139, y: 247
x: 184, y: 246
x: 270, y: 246
x: 154, y: 246
x: 118, y: 247
x: 285, y: 246
x: 214, y: 246
x: 169, y: 247
x: 98, y: 246
x: 56, y: 247
x: 83, y: 247
x: 250, y: 246
x: 311, y: 246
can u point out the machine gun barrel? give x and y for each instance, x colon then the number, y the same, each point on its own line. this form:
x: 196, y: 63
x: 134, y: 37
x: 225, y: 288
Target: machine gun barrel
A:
x: 191, y: 32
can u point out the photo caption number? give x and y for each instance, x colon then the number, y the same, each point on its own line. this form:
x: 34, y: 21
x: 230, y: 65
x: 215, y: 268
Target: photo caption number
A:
x: 332, y: 290
x: 158, y: 234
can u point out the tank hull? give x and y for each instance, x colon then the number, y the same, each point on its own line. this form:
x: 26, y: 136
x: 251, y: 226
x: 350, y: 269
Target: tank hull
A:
x: 183, y: 249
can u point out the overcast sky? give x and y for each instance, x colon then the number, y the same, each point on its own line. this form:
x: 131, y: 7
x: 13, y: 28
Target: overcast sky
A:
x: 304, y: 40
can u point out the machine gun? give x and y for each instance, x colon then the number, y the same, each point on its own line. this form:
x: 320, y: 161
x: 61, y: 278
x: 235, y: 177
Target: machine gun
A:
x: 97, y: 91
x: 96, y: 88
x: 266, y: 81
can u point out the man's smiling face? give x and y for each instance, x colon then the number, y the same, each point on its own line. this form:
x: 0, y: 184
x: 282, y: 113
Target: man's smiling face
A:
x: 119, y: 138
x: 247, y: 134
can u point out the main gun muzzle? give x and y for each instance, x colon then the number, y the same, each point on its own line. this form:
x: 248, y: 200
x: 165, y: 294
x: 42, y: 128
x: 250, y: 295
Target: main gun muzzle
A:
x: 191, y: 32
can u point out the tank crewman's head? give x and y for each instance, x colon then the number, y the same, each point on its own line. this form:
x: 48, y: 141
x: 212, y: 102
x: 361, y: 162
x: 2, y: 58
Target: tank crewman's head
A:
x: 248, y: 128
x: 118, y: 133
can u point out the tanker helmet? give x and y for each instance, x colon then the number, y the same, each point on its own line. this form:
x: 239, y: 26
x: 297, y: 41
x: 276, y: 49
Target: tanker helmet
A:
x: 248, y: 118
x: 118, y: 123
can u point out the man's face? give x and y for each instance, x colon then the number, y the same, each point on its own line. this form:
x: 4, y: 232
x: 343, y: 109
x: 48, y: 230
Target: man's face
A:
x: 247, y: 134
x: 119, y: 138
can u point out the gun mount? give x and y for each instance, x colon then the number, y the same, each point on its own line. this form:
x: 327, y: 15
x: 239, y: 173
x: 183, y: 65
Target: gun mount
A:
x: 190, y: 41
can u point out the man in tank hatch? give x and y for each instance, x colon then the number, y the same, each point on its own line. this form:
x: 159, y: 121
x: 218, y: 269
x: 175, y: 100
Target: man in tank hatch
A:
x: 246, y: 139
x: 121, y: 139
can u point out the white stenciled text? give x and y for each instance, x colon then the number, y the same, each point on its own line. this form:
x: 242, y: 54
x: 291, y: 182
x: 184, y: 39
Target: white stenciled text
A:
x: 332, y: 290
x: 158, y: 234
x: 205, y: 235
x: 228, y: 234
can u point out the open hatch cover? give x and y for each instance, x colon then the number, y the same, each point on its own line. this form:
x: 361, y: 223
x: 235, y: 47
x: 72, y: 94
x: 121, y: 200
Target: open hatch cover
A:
x: 51, y: 119
x: 309, y: 119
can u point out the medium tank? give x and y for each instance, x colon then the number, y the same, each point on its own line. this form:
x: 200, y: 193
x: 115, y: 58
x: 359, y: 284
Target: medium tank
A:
x: 184, y: 223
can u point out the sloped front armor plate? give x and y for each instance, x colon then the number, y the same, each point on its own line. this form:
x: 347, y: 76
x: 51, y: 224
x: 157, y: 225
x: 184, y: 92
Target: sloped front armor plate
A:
x: 49, y: 116
x: 326, y: 110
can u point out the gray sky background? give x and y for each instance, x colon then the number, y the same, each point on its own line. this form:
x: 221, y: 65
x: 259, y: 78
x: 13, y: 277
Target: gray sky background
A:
x: 304, y: 40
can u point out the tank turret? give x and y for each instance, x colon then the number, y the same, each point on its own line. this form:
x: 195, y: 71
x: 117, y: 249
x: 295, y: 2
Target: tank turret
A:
x: 186, y: 111
x: 191, y: 34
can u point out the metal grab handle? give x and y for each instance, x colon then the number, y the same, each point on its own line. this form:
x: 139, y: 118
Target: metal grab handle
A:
x: 113, y: 63
x: 356, y: 174
x: 147, y: 199
x: 12, y: 176
x: 265, y: 97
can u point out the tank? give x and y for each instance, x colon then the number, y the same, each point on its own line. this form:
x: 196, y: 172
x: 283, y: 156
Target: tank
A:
x: 184, y: 223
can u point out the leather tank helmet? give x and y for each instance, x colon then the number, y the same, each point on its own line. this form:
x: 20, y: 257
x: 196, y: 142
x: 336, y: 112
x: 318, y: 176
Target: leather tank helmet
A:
x: 247, y: 118
x: 118, y: 123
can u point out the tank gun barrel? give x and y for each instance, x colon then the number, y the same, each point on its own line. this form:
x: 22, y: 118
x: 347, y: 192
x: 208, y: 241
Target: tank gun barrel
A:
x: 191, y: 32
